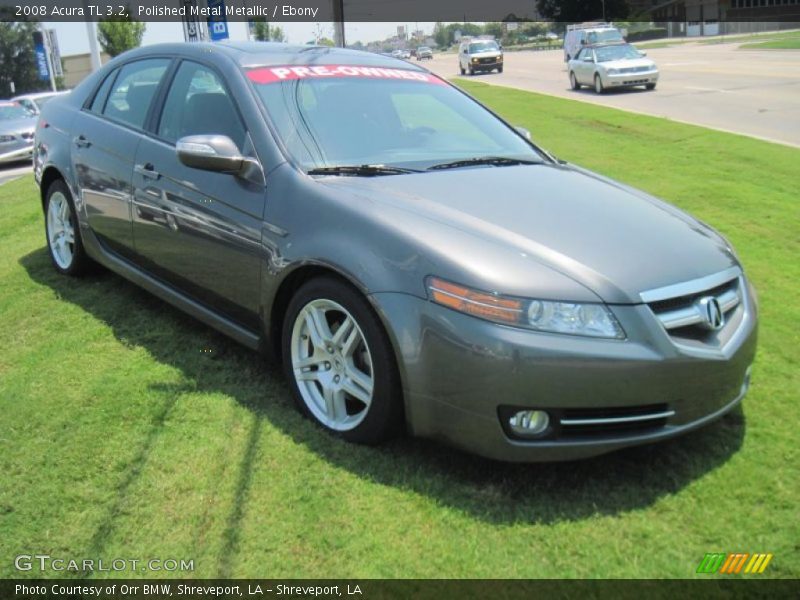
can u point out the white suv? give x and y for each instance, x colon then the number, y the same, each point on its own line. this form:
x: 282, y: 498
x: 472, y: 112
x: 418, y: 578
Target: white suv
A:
x: 586, y: 34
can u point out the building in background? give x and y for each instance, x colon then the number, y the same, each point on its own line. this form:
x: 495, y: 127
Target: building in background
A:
x: 78, y: 66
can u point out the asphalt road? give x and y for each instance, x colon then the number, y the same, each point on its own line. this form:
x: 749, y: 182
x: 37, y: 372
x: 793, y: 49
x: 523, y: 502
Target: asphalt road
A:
x: 13, y: 170
x: 752, y: 92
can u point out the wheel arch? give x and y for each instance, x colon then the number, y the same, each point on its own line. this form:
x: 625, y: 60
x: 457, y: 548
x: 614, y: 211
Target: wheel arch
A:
x: 50, y: 175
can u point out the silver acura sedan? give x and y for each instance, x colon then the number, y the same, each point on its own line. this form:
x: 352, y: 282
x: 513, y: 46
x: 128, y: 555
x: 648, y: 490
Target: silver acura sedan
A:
x: 17, y: 125
x: 413, y: 260
x: 612, y: 66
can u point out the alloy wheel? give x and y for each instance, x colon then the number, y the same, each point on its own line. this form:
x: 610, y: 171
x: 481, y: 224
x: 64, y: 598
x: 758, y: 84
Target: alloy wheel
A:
x: 60, y: 230
x: 332, y: 365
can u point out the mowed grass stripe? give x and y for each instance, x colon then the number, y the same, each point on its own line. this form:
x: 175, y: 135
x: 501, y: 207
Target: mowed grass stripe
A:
x: 130, y: 430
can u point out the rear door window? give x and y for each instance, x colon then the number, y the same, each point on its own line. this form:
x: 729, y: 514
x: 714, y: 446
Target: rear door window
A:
x: 133, y: 91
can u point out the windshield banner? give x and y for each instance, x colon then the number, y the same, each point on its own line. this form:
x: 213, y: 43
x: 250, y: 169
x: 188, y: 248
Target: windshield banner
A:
x: 289, y: 73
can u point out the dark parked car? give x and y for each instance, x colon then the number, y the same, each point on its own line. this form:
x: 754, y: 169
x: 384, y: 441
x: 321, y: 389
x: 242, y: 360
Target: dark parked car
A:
x: 413, y: 260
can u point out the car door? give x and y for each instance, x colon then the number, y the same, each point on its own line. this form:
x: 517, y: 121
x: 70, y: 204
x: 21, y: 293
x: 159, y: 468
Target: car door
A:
x: 106, y: 134
x: 584, y: 70
x: 200, y: 231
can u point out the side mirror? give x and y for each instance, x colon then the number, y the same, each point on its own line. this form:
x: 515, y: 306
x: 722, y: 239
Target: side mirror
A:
x: 524, y: 132
x: 212, y: 153
x: 642, y: 52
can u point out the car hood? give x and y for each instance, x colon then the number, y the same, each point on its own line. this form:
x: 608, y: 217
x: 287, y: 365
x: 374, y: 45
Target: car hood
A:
x: 612, y: 239
x: 26, y: 125
x: 628, y: 63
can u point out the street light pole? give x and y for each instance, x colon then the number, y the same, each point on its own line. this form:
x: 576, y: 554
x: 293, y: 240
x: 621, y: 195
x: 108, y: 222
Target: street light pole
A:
x: 338, y: 23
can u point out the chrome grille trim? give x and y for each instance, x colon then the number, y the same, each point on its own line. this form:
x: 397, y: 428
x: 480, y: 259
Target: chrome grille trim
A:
x: 693, y: 286
x: 611, y: 420
x: 691, y: 315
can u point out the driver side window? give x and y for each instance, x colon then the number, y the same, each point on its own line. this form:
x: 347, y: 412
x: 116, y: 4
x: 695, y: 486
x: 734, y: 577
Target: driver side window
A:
x: 199, y: 104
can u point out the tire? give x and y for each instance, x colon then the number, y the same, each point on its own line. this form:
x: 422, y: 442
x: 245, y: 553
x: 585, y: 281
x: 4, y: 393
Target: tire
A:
x: 463, y: 72
x: 650, y: 86
x: 471, y: 71
x: 598, y: 85
x: 573, y: 81
x: 499, y: 69
x: 62, y: 232
x: 348, y: 386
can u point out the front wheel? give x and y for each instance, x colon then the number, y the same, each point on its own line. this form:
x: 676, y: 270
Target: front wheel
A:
x: 63, y: 235
x: 463, y: 72
x: 340, y: 363
x: 499, y: 69
x: 598, y: 85
x: 650, y: 86
x: 573, y: 81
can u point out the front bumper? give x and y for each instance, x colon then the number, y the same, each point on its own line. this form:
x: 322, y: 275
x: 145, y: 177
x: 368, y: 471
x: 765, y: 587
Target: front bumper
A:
x: 16, y: 151
x: 460, y: 372
x: 629, y: 79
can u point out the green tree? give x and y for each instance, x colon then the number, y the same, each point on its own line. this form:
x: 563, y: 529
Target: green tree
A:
x: 116, y: 37
x: 264, y: 32
x: 17, y: 59
x: 441, y: 35
x: 323, y: 41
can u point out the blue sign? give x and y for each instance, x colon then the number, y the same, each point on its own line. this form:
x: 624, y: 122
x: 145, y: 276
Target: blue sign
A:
x: 217, y: 21
x: 41, y: 56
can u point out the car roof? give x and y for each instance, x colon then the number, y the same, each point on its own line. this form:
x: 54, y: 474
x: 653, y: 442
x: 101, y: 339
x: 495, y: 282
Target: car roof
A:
x: 267, y: 54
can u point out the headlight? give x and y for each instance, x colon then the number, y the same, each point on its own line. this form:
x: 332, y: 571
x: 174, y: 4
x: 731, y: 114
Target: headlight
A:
x: 587, y: 319
x: 475, y: 60
x: 6, y: 138
x: 612, y: 71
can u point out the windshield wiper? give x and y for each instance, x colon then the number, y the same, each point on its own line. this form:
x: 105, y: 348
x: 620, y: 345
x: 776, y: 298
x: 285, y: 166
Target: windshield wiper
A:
x: 361, y: 170
x: 497, y: 161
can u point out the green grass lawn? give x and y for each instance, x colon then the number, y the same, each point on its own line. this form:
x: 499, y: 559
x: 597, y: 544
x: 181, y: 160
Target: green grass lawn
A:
x: 129, y: 430
x: 784, y: 43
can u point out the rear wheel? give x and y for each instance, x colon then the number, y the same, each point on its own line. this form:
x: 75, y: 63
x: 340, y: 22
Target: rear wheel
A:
x: 340, y: 364
x: 573, y: 81
x: 63, y: 235
x: 598, y: 85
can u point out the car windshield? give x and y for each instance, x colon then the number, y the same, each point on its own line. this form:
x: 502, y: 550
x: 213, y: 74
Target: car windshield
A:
x: 12, y: 110
x: 348, y: 115
x: 606, y: 35
x: 423, y: 49
x: 621, y: 52
x: 489, y: 46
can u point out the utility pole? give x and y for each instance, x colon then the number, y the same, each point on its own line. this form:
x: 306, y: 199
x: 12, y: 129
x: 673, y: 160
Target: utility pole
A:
x: 94, y: 49
x: 338, y: 23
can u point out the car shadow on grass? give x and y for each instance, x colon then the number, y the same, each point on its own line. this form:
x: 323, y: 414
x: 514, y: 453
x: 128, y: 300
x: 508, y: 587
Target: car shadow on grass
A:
x: 495, y: 492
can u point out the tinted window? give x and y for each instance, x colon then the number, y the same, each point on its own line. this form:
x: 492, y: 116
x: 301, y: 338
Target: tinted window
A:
x: 489, y: 46
x: 100, y: 97
x: 199, y: 104
x: 134, y: 89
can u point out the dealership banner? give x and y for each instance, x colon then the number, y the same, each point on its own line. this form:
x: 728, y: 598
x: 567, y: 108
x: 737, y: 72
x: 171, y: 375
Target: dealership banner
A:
x: 368, y: 589
x: 41, y: 56
x: 218, y: 12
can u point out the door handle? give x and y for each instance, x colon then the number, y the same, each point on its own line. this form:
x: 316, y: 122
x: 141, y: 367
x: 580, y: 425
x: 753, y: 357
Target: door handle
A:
x: 82, y: 142
x: 147, y: 170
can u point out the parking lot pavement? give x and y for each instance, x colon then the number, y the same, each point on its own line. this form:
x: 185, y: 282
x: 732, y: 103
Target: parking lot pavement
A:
x: 752, y: 92
x: 11, y: 171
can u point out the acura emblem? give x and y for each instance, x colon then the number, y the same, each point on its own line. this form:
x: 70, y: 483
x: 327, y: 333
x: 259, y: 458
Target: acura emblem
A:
x: 711, y: 312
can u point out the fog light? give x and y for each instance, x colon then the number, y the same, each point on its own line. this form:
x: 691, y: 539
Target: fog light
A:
x: 529, y: 422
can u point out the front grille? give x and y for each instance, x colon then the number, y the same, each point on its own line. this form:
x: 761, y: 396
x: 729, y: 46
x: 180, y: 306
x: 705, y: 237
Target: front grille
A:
x: 635, y: 81
x: 486, y: 61
x: 683, y: 315
x: 634, y: 69
x: 609, y: 422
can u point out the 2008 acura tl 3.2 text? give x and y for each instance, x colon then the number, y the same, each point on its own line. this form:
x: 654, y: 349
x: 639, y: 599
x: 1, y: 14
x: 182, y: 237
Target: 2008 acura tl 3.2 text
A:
x: 414, y: 261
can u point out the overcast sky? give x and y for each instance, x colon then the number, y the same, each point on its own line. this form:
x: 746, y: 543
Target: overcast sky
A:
x: 72, y: 36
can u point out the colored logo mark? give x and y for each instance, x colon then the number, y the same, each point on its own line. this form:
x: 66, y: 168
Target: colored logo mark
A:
x: 734, y: 563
